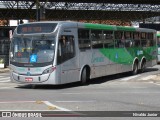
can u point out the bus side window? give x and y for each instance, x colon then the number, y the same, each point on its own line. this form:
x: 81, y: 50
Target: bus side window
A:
x: 136, y: 38
x: 108, y: 39
x: 97, y: 39
x: 119, y: 39
x: 66, y: 48
x: 128, y: 39
x: 143, y: 39
x: 84, y: 39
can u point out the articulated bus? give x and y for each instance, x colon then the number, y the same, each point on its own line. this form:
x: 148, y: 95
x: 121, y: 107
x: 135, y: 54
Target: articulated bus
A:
x: 61, y: 52
x: 158, y: 43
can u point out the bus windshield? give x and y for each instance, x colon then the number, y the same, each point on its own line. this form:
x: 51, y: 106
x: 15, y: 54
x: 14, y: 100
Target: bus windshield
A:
x: 32, y: 49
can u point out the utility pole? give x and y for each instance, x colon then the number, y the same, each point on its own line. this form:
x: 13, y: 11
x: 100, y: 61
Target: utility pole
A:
x: 37, y: 11
x: 18, y: 15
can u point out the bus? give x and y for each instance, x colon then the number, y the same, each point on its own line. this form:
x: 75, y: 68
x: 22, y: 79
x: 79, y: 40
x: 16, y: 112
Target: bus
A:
x: 60, y: 52
x: 158, y: 44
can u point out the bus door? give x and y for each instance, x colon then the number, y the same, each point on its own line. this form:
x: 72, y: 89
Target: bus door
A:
x: 67, y: 59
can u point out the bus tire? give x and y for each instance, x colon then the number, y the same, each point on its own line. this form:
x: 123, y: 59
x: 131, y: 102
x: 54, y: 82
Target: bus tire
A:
x: 143, y: 66
x: 135, y: 68
x: 84, y: 76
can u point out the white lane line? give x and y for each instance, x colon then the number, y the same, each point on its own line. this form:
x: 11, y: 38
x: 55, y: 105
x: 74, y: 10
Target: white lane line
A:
x: 72, y: 93
x: 10, y: 86
x: 61, y: 108
x: 7, y: 87
x: 3, y: 81
x: 5, y: 78
x: 148, y: 77
x: 76, y: 101
x: 52, y: 105
x: 131, y: 77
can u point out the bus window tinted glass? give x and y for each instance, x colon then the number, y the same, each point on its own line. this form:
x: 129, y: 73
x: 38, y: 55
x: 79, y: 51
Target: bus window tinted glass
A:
x: 136, y: 38
x: 119, y: 39
x: 83, y: 39
x: 66, y: 48
x: 108, y: 39
x: 97, y: 38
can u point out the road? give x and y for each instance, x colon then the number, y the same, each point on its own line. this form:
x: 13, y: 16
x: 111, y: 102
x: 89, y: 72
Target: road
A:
x: 120, y: 92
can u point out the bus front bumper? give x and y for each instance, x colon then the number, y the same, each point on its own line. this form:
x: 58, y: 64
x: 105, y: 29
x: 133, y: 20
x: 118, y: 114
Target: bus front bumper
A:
x: 34, y: 79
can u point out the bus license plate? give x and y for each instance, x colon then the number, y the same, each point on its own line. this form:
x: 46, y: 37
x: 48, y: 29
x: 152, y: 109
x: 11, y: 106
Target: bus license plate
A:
x: 28, y: 79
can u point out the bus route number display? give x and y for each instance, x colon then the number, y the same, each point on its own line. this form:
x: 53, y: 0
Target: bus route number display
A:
x: 31, y: 29
x: 36, y: 28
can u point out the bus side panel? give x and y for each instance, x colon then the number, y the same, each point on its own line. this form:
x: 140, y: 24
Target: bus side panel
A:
x: 100, y: 64
x: 85, y: 59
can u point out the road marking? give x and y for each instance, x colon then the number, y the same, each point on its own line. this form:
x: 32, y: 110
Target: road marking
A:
x: 5, y: 78
x: 7, y: 87
x: 3, y: 81
x: 131, y: 77
x: 49, y: 104
x: 77, y: 101
x: 148, y: 77
x: 60, y: 108
x: 72, y: 93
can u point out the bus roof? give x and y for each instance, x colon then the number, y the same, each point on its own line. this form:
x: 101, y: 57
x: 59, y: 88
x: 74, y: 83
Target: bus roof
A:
x: 97, y: 26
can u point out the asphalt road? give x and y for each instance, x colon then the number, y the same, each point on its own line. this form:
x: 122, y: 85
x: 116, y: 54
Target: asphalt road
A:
x: 120, y: 92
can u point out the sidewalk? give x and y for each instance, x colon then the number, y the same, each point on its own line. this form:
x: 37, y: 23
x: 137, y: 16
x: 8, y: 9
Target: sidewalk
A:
x: 3, y: 70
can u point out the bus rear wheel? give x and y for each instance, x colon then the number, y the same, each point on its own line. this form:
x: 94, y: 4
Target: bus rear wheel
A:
x: 143, y: 66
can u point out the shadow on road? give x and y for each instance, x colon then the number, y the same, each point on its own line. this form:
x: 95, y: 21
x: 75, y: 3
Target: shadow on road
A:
x: 99, y: 80
x: 151, y: 69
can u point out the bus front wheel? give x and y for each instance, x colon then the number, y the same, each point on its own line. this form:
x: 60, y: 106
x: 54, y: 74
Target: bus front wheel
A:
x: 84, y: 76
x: 135, y: 68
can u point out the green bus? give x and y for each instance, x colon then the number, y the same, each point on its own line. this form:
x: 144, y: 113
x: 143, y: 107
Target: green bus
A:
x: 59, y: 52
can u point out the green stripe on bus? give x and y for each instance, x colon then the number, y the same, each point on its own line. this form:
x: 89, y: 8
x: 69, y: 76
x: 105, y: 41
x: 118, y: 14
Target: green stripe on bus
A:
x: 117, y: 55
x: 108, y: 27
x: 158, y: 35
x: 99, y: 26
x: 127, y: 55
x: 126, y: 28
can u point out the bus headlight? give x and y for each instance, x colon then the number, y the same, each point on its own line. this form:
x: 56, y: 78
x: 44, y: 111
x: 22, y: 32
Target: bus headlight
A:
x: 49, y: 70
